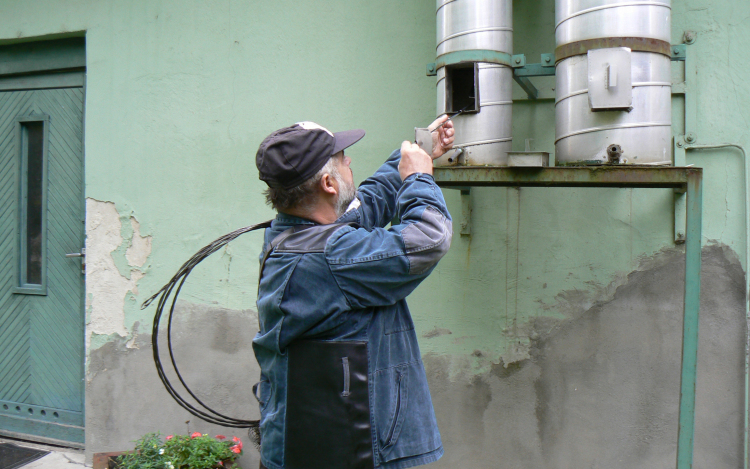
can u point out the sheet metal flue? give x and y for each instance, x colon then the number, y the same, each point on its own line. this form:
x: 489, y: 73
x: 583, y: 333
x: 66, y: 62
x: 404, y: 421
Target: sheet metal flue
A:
x: 613, y: 83
x: 484, y: 130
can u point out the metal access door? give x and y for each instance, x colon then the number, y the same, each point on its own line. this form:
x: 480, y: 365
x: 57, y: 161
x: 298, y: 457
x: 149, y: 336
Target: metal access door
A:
x: 41, y: 289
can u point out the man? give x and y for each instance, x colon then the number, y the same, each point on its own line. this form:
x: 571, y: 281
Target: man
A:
x: 342, y: 380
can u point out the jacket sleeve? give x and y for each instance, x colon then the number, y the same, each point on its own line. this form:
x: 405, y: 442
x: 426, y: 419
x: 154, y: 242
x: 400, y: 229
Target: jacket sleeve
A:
x: 377, y: 194
x: 379, y: 267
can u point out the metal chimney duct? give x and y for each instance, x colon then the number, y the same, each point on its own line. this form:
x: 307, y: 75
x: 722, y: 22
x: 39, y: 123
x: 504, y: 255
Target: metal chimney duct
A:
x: 613, y: 82
x: 474, y: 48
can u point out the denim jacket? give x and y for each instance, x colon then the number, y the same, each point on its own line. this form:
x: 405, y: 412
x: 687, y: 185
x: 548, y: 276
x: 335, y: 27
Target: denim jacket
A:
x: 355, y: 291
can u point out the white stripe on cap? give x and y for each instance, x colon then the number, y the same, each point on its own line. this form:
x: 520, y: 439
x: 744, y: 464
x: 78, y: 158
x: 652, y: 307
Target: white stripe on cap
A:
x: 307, y: 125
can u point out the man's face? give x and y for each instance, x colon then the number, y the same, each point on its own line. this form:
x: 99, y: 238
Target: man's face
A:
x: 347, y: 189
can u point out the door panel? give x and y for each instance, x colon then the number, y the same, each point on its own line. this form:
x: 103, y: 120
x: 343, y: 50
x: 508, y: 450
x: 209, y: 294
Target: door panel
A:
x: 41, y: 318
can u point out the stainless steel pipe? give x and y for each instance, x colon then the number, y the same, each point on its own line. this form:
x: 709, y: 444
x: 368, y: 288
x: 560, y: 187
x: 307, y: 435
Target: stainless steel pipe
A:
x: 636, y: 118
x: 483, y: 28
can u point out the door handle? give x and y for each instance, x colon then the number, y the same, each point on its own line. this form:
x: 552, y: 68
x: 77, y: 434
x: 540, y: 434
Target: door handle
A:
x: 77, y: 254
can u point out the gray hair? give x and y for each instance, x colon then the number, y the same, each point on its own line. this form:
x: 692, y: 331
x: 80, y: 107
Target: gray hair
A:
x: 304, y: 196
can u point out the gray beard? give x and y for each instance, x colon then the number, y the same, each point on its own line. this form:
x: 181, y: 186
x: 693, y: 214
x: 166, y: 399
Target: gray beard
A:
x: 346, y: 196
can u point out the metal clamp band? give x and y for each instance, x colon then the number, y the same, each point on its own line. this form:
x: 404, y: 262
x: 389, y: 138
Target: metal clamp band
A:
x: 636, y: 44
x: 471, y: 56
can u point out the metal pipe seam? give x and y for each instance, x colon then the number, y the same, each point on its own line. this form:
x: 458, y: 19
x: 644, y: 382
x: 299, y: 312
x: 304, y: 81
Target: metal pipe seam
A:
x: 488, y: 66
x: 613, y: 5
x: 443, y: 4
x: 495, y: 103
x: 613, y: 127
x: 472, y: 31
x: 634, y: 85
x: 746, y: 442
x: 486, y: 142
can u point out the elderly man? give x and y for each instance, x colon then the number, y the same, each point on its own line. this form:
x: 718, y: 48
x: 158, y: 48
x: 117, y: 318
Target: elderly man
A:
x: 342, y: 380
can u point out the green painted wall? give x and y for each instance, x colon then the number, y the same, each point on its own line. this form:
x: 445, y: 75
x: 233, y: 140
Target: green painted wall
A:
x: 180, y: 93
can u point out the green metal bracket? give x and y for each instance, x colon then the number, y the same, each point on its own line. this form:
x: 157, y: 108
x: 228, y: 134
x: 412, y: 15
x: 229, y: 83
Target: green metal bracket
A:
x: 527, y: 86
x: 519, y: 60
x: 469, y: 56
x: 679, y: 52
x: 688, y: 89
x: 523, y: 70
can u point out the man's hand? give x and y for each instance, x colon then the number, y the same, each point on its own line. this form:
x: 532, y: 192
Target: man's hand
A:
x: 442, y: 139
x: 413, y: 160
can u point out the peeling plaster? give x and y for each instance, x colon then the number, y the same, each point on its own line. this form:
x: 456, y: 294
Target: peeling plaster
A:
x: 107, y: 287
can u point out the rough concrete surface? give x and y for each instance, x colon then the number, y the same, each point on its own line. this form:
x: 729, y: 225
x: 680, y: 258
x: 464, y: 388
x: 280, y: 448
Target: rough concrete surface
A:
x: 601, y: 390
x: 125, y: 398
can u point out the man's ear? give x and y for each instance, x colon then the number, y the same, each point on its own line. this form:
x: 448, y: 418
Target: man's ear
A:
x: 329, y: 185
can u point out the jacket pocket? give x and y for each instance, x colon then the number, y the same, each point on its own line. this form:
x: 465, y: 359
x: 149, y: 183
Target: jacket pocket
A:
x: 391, y: 394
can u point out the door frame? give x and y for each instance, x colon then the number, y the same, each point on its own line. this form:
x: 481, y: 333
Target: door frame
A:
x: 50, y: 64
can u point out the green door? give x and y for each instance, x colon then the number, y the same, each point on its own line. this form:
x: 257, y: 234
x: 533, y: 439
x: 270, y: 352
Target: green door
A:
x: 41, y: 289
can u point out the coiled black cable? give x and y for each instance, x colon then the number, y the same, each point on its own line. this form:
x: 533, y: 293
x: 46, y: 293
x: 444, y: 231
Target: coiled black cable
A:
x: 175, y: 284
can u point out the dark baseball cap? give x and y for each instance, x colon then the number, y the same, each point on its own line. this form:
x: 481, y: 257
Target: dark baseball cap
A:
x: 290, y: 156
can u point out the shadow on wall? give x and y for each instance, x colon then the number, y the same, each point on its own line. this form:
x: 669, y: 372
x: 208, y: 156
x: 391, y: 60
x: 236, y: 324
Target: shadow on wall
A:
x: 602, y: 390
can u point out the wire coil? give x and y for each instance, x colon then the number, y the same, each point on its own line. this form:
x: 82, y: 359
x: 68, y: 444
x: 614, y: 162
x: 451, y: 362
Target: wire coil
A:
x: 201, y: 411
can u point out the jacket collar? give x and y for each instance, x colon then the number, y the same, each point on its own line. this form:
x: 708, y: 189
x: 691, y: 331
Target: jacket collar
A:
x: 284, y: 221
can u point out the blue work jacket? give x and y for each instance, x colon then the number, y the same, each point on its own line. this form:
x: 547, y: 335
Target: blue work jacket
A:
x: 356, y: 291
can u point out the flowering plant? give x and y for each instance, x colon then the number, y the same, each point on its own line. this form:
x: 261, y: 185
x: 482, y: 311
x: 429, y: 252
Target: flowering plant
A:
x: 197, y: 451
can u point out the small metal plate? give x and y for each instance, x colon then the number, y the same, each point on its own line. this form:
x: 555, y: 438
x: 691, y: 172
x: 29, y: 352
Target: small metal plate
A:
x: 610, y: 81
x: 528, y: 159
x: 423, y: 138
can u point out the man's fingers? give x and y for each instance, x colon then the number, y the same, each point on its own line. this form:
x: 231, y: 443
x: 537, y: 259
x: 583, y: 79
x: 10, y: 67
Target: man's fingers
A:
x: 438, y: 121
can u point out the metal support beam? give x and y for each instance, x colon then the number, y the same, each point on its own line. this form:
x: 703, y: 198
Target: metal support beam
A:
x: 679, y: 195
x: 522, y: 70
x: 693, y: 235
x: 527, y: 86
x: 688, y: 90
x: 564, y: 176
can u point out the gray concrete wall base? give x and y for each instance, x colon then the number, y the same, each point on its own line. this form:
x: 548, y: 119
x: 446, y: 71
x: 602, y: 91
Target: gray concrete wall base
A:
x: 601, y: 390
x: 125, y: 398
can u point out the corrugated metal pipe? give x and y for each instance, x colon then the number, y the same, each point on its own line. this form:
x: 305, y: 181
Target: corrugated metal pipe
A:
x: 474, y: 47
x: 613, y: 82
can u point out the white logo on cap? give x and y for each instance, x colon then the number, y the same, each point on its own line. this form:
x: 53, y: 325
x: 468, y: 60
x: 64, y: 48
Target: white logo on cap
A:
x: 307, y: 125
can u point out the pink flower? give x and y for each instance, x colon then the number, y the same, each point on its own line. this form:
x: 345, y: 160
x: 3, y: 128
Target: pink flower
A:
x: 235, y: 439
x: 221, y: 463
x: 236, y: 449
x: 220, y: 437
x: 169, y: 437
x: 195, y: 435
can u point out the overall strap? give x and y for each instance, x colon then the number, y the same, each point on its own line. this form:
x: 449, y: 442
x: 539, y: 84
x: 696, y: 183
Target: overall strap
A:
x: 301, y: 239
